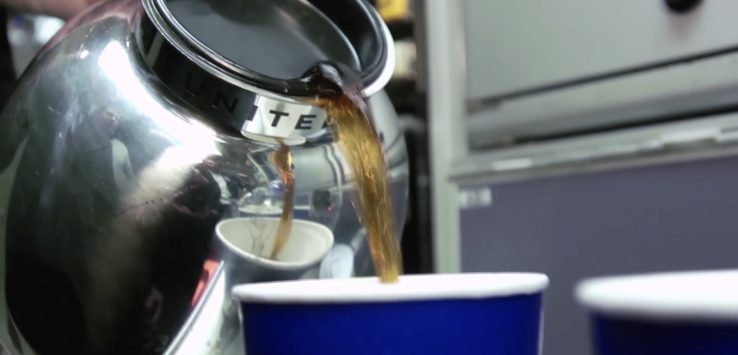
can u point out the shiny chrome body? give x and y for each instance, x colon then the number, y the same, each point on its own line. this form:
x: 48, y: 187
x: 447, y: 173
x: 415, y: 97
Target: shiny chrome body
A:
x: 111, y: 183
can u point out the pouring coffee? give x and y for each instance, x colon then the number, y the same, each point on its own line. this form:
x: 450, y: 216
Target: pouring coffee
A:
x: 139, y: 128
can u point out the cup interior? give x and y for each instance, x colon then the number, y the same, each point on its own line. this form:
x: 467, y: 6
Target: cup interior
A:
x: 252, y: 238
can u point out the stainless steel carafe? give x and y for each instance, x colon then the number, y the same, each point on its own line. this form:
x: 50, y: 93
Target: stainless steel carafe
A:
x: 141, y: 126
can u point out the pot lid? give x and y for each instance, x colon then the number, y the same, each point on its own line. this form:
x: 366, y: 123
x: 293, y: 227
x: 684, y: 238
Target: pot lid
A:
x: 271, y: 43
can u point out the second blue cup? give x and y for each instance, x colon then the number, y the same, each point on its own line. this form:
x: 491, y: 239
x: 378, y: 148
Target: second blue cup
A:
x: 687, y: 313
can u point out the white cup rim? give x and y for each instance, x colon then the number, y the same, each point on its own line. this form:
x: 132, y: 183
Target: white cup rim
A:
x: 409, y: 288
x: 319, y: 229
x: 691, y: 295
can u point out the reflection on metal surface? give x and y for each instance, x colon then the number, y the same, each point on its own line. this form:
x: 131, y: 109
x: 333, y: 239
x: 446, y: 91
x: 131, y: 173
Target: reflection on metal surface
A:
x: 112, y: 186
x: 27, y: 33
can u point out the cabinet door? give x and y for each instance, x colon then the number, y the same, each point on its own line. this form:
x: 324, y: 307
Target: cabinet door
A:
x: 523, y: 45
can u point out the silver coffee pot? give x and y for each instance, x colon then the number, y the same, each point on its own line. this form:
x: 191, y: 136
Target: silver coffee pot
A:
x: 138, y: 129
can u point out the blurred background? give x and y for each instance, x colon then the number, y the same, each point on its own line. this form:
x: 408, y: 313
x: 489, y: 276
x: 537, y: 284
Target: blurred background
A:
x: 574, y: 138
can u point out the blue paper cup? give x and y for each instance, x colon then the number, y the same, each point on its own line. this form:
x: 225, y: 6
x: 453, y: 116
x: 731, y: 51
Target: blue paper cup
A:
x: 687, y: 313
x: 480, y: 314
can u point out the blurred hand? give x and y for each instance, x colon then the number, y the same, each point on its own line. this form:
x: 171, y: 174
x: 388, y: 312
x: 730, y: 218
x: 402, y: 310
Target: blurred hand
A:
x: 59, y: 8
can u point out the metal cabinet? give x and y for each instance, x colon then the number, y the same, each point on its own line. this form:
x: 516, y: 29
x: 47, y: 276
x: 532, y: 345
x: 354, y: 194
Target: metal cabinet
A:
x: 537, y: 70
x: 514, y: 47
x: 582, y: 138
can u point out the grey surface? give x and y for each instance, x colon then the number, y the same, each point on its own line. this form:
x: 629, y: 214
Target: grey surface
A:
x: 447, y: 136
x: 516, y: 46
x: 671, y: 217
x: 546, y: 69
x: 678, y: 90
x: 701, y: 137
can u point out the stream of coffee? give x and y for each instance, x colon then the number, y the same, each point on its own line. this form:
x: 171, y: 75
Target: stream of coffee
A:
x: 282, y: 159
x: 350, y: 122
x: 348, y: 117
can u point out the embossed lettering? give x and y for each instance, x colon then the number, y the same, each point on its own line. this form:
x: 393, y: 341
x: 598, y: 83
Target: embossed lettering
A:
x: 250, y: 115
x: 277, y: 116
x: 222, y: 100
x: 305, y: 122
x: 192, y: 87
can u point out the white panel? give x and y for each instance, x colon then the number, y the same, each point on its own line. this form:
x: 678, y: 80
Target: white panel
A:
x: 516, y: 45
